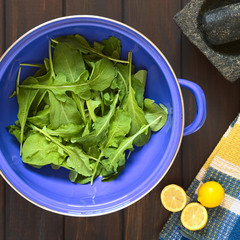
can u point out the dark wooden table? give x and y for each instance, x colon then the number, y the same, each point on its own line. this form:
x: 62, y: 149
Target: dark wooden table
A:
x: 21, y: 220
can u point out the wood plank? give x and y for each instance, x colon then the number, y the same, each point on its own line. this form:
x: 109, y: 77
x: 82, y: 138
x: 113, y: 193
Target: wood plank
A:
x: 102, y: 227
x: 108, y: 226
x: 2, y: 208
x: 2, y: 183
x: 153, y: 18
x: 1, y: 27
x: 27, y: 221
x: 106, y: 8
x: 23, y: 15
x: 223, y: 104
x: 23, y: 219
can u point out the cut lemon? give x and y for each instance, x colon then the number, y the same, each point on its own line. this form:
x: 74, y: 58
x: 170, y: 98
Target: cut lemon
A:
x: 173, y: 198
x: 194, y: 216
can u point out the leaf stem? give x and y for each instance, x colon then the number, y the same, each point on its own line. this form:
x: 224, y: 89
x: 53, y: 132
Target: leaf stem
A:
x: 104, y: 56
x: 50, y: 59
x: 18, y: 80
x: 95, y: 168
x: 80, y: 105
x: 31, y: 65
x: 55, y: 41
x: 91, y: 157
x: 102, y: 104
x: 51, y: 138
x: 97, y: 53
x: 39, y: 86
x: 133, y: 137
x: 91, y: 112
x: 101, y: 154
x: 130, y: 70
x: 17, y: 92
x: 13, y: 94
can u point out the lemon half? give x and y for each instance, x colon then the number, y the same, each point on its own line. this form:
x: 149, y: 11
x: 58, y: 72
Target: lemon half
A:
x: 173, y: 198
x: 194, y: 216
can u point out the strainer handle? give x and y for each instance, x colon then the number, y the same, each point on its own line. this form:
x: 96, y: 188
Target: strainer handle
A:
x: 201, y: 106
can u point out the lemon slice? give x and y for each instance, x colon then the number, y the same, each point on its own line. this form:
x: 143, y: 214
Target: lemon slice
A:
x: 173, y: 198
x: 194, y: 216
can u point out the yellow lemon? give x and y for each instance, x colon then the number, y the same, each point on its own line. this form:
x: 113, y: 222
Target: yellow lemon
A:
x: 194, y: 216
x: 210, y: 194
x: 173, y: 198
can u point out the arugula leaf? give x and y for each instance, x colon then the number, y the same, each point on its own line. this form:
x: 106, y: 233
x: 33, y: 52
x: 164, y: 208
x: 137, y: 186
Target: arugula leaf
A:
x: 83, y: 179
x: 62, y: 113
x: 136, y: 113
x: 115, y: 157
x: 138, y: 84
x: 73, y: 175
x: 153, y: 111
x: 37, y: 150
x: 68, y: 61
x: 101, y: 126
x: 73, y: 41
x: 108, y: 176
x: 141, y: 75
x: 45, y: 79
x: 41, y: 119
x: 121, y: 80
x: 77, y: 159
x: 98, y: 46
x: 138, y: 88
x: 92, y: 104
x: 80, y: 105
x: 84, y: 47
x: 79, y: 87
x: 40, y: 72
x: 112, y: 47
x: 66, y: 131
x: 25, y: 98
x: 119, y: 128
x: 102, y: 75
x: 15, y: 131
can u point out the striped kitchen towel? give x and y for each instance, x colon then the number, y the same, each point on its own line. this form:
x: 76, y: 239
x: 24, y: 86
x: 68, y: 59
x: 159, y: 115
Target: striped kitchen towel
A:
x: 222, y: 166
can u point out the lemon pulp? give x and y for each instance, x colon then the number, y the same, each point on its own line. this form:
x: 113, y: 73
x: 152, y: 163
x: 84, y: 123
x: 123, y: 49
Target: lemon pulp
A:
x: 173, y: 198
x: 194, y: 216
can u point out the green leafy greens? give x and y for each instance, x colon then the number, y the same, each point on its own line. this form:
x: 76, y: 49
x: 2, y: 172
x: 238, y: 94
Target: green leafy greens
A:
x: 83, y: 109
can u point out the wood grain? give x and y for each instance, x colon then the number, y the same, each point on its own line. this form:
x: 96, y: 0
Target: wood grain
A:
x: 106, y: 8
x: 223, y: 104
x: 102, y: 227
x: 2, y: 183
x: 2, y: 208
x: 153, y: 18
x: 1, y: 26
x: 109, y: 226
x: 25, y: 14
x: 24, y: 220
